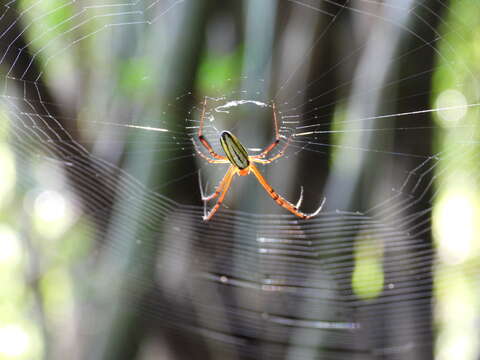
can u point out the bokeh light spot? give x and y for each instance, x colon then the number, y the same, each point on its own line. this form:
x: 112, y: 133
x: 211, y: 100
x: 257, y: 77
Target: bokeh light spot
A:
x: 50, y: 206
x: 7, y: 169
x: 452, y: 106
x: 14, y: 341
x: 9, y: 246
x: 454, y: 226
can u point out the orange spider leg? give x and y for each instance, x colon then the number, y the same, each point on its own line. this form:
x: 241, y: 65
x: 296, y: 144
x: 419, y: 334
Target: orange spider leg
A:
x: 219, y: 188
x: 220, y: 160
x: 200, y: 129
x: 227, y: 181
x: 258, y: 158
x: 277, y: 136
x: 202, y: 138
x: 281, y: 200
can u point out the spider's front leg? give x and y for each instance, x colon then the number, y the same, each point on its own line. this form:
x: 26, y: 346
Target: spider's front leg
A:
x: 218, y: 160
x: 202, y: 138
x: 260, y: 157
x: 275, y: 142
x: 209, y: 148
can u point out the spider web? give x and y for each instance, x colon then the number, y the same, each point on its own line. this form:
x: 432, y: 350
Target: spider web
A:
x: 366, y: 278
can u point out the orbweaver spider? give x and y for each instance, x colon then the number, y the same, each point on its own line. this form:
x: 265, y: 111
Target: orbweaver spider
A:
x: 242, y: 164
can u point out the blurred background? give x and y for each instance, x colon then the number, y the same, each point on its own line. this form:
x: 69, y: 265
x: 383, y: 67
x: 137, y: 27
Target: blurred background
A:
x: 103, y: 250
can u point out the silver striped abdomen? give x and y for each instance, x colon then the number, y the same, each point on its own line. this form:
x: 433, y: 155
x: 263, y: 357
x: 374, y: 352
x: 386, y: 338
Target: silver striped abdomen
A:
x: 235, y: 151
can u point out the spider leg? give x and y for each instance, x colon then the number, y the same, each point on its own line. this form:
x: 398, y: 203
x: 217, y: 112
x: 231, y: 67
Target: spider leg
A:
x: 207, y: 145
x: 200, y: 129
x: 227, y: 181
x: 219, y: 188
x: 277, y: 135
x: 218, y: 160
x: 202, y: 138
x: 281, y: 200
x: 259, y: 158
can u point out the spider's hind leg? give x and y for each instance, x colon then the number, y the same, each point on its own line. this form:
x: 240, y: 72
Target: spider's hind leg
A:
x: 217, y: 191
x: 280, y: 200
x: 222, y: 189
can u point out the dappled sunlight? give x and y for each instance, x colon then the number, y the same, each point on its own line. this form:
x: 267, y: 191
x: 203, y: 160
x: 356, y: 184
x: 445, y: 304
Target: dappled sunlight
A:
x: 14, y: 341
x: 456, y: 222
x: 10, y: 248
x: 452, y: 106
x: 367, y: 277
x: 356, y: 234
x: 7, y: 171
x: 457, y: 314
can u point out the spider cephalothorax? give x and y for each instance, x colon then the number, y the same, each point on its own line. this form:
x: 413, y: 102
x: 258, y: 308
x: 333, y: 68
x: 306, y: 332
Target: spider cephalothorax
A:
x: 242, y: 164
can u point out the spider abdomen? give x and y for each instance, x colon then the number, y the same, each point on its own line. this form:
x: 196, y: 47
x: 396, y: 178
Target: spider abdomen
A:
x: 235, y: 151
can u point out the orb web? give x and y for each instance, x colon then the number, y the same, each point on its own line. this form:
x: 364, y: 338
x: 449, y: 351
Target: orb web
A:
x: 101, y: 115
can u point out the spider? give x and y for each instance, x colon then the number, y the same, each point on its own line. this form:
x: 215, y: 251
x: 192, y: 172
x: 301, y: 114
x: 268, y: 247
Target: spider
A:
x: 242, y: 164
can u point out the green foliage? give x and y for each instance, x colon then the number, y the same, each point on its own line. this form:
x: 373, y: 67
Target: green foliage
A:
x: 135, y: 78
x: 460, y: 51
x: 217, y: 71
x: 52, y: 16
x: 368, y: 277
x: 456, y: 208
